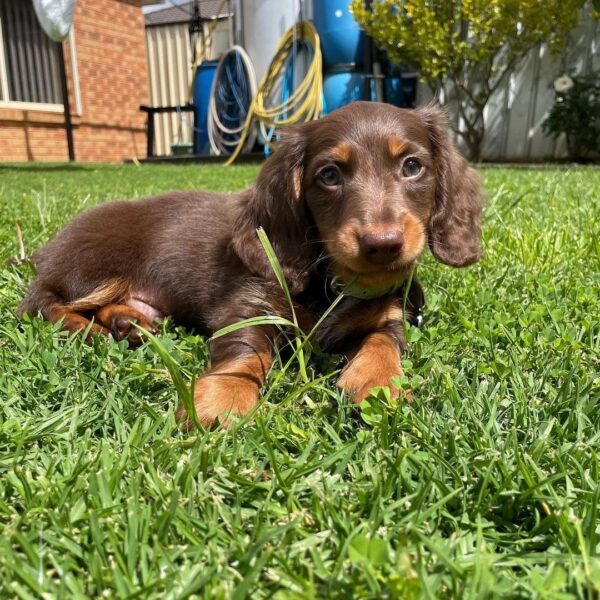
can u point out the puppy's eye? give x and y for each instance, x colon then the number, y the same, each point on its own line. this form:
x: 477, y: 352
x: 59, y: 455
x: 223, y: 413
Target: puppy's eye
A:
x: 330, y: 176
x: 411, y: 167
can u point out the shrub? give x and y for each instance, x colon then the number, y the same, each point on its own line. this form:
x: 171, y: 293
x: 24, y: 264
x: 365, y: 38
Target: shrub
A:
x: 576, y: 113
x: 466, y: 49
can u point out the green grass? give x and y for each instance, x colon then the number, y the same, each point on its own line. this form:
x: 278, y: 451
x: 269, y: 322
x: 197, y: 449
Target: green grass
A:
x: 486, y: 486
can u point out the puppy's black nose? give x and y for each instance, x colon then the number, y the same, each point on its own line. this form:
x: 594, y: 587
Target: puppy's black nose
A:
x: 382, y: 247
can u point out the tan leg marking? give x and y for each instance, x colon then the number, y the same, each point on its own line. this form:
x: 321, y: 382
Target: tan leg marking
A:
x: 229, y: 389
x: 375, y: 364
x: 72, y: 321
x: 120, y: 320
x: 113, y: 290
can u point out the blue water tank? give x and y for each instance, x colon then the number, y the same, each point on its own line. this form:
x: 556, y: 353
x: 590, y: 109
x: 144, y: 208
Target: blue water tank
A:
x: 342, y: 87
x: 342, y: 41
x: 202, y: 85
x: 410, y: 82
x: 400, y: 85
x: 394, y: 92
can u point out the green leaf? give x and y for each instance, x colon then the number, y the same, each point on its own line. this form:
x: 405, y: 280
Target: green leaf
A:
x: 251, y: 322
x: 370, y: 550
x: 185, y: 393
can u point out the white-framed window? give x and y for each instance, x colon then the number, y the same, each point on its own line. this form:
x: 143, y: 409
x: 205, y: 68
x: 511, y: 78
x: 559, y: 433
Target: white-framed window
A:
x: 29, y: 61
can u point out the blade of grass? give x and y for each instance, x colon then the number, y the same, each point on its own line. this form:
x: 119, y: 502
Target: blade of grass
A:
x: 274, y: 262
x: 251, y: 322
x: 185, y: 394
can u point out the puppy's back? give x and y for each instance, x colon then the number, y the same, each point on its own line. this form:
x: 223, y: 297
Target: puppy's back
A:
x: 121, y: 240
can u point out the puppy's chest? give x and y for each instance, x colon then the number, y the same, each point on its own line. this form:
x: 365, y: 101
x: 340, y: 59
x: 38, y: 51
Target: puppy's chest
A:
x: 353, y: 318
x: 349, y: 319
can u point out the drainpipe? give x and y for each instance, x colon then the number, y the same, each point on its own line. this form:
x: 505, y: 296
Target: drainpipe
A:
x: 66, y: 103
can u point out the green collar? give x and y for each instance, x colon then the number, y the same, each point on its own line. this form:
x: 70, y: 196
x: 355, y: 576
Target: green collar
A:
x: 355, y: 290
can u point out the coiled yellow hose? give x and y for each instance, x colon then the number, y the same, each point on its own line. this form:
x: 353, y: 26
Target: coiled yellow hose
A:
x: 304, y: 104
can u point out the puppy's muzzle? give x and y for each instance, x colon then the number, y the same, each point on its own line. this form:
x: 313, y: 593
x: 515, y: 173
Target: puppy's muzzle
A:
x: 381, y: 247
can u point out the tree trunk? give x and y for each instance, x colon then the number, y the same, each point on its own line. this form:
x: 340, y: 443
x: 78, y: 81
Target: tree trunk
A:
x: 471, y: 125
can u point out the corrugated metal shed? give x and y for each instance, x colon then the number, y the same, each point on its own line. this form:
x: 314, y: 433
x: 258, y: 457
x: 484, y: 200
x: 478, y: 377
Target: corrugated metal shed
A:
x: 181, y: 13
x: 170, y: 66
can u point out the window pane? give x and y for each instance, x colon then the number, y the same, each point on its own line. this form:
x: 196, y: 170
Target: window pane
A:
x: 31, y: 57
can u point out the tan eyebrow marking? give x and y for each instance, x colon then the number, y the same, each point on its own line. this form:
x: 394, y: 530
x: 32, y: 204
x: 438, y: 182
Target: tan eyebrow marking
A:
x: 396, y: 146
x: 342, y: 153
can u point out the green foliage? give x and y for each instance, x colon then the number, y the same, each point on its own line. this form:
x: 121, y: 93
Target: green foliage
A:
x: 441, y: 37
x: 486, y: 486
x: 473, y: 44
x: 576, y: 113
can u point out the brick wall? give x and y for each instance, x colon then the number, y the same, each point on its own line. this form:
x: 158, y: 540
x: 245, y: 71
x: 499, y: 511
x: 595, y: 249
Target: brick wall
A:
x: 113, y: 82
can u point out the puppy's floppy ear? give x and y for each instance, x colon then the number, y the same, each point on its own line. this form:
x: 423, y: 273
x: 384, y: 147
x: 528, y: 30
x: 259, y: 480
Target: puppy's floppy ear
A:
x: 454, y: 227
x: 276, y: 203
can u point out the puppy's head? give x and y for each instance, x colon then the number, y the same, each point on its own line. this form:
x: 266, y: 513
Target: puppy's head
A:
x: 371, y: 185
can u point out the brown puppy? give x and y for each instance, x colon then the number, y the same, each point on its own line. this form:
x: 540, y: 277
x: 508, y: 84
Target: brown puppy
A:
x: 350, y: 200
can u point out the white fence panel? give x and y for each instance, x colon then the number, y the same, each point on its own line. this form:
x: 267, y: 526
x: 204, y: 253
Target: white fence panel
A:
x: 516, y: 111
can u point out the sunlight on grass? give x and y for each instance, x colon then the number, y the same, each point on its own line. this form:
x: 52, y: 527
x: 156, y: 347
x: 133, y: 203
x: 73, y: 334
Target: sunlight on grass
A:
x: 487, y: 485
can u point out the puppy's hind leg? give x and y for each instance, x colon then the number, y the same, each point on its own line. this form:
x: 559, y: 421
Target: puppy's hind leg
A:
x: 43, y: 299
x: 54, y: 309
x: 121, y: 321
x: 73, y: 321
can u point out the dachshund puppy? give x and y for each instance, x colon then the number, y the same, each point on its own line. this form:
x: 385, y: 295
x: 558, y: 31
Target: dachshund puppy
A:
x: 348, y: 202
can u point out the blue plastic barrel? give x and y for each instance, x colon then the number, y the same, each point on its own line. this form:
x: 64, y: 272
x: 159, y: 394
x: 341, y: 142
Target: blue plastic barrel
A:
x: 400, y: 85
x: 202, y: 85
x: 409, y: 89
x: 394, y: 92
x: 342, y: 87
x: 342, y: 41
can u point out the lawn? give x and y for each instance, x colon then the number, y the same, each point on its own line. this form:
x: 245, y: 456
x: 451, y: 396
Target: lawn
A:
x: 486, y: 486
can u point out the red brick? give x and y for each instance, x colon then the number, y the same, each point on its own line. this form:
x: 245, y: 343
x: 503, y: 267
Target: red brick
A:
x: 111, y: 60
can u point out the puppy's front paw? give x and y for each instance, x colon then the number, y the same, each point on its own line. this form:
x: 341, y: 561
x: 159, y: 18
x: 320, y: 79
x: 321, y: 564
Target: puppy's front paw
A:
x: 358, y: 383
x: 219, y: 396
x: 368, y: 370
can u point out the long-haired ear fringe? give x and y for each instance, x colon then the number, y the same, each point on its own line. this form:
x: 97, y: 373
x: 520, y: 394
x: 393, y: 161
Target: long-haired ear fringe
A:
x: 276, y: 203
x: 454, y: 227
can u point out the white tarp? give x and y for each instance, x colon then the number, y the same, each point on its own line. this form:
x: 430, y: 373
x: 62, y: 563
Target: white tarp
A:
x: 55, y: 17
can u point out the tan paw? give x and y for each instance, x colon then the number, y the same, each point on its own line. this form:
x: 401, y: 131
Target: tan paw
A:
x: 366, y: 372
x: 121, y: 320
x: 220, y: 396
x: 375, y: 364
x: 358, y: 385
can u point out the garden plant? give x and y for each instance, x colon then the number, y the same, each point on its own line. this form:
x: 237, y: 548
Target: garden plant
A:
x: 576, y: 115
x: 472, y: 47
